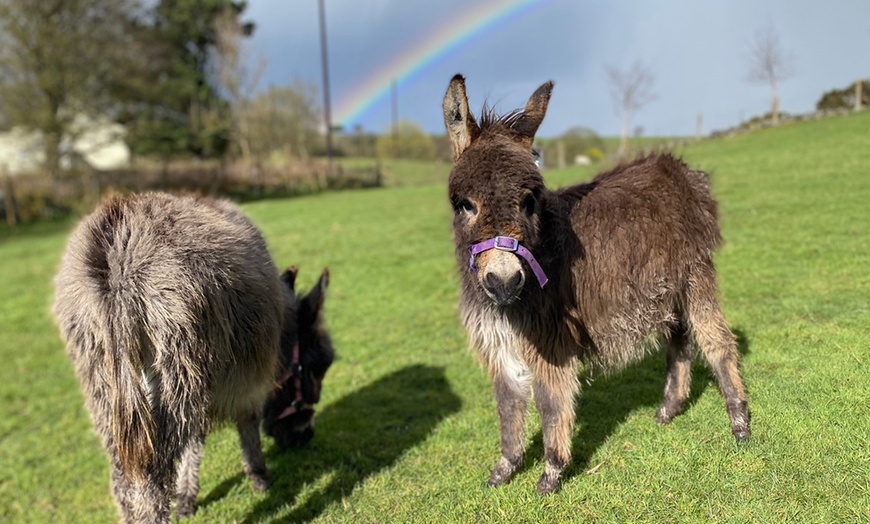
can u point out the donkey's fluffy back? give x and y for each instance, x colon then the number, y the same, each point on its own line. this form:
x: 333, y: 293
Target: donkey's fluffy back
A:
x: 171, y: 309
x: 647, y: 229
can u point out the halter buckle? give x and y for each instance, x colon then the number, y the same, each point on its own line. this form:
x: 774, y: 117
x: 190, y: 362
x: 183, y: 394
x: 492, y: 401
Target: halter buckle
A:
x: 509, y: 244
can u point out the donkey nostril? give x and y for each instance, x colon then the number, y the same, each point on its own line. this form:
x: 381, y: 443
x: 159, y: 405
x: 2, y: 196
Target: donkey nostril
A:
x: 491, y: 281
x: 516, y: 281
x: 503, y: 290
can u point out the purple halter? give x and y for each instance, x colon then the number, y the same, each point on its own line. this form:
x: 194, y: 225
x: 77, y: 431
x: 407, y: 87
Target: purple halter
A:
x: 507, y: 244
x: 294, y: 371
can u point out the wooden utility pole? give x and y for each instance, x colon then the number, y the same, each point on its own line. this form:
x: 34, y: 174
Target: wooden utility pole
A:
x: 859, y: 85
x: 9, y: 198
x: 327, y: 110
x: 395, y: 117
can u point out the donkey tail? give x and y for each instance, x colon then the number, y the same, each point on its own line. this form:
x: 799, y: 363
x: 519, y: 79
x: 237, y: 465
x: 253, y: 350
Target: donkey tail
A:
x: 128, y: 364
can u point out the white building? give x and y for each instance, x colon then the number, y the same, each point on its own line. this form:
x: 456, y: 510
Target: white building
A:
x: 99, y: 144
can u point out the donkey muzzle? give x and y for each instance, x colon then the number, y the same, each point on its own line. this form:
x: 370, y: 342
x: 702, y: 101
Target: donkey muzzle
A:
x: 503, y: 278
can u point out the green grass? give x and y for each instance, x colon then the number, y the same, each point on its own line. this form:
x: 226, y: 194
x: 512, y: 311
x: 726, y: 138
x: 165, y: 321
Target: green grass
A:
x: 407, y: 430
x: 403, y: 172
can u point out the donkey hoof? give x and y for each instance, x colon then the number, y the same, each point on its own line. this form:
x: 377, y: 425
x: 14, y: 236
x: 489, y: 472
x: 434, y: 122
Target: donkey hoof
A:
x: 503, y: 471
x: 261, y: 482
x: 668, y: 409
x: 548, y: 484
x: 498, y: 478
x: 742, y: 435
x: 662, y: 416
x: 186, y: 507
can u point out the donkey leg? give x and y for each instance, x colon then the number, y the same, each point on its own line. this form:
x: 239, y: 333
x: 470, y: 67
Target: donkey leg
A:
x: 710, y: 330
x: 555, y: 389
x: 511, y: 395
x: 679, y: 375
x: 187, y: 485
x: 253, y: 461
x: 122, y: 491
x: 141, y: 500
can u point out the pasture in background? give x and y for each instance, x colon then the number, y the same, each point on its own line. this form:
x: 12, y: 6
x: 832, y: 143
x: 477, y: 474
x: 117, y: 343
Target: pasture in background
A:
x: 407, y: 427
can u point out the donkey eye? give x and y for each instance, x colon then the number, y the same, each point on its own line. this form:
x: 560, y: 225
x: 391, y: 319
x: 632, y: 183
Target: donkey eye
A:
x: 530, y: 203
x: 463, y: 204
x: 536, y: 156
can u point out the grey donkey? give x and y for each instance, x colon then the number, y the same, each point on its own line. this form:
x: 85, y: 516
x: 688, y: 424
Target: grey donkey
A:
x: 176, y: 319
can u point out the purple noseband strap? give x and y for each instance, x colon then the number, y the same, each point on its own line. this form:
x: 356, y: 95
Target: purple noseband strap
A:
x: 507, y: 244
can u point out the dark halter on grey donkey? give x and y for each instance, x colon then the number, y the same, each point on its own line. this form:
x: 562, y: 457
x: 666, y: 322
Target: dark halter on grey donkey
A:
x: 294, y: 371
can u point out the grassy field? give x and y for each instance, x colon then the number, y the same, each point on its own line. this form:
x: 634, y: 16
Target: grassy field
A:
x: 407, y: 430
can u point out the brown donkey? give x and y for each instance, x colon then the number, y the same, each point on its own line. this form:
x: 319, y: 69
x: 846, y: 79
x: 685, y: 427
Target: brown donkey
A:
x: 588, y: 274
x: 175, y: 318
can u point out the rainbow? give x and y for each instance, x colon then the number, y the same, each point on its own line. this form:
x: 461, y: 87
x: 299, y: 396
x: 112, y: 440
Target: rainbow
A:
x: 441, y: 42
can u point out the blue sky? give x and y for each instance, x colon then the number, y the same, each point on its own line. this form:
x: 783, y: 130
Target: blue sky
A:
x: 697, y: 50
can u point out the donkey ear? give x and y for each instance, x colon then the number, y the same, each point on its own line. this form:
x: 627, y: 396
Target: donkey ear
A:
x: 462, y: 129
x: 317, y: 294
x: 527, y: 124
x: 289, y: 277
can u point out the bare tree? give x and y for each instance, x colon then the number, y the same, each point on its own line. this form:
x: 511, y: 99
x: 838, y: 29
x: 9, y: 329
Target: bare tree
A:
x: 769, y: 64
x: 630, y: 90
x: 235, y: 79
x: 286, y: 120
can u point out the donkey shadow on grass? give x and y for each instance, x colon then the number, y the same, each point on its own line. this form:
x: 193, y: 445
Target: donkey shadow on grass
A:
x: 358, y: 436
x: 611, y: 398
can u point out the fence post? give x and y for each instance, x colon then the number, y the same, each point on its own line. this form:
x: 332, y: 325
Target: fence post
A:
x: 9, y: 198
x: 859, y: 85
x: 94, y: 189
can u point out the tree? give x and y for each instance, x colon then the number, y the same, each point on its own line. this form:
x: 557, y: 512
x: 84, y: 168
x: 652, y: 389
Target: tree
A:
x: 360, y: 143
x: 285, y: 119
x: 768, y: 64
x: 181, y: 109
x: 630, y: 90
x: 61, y: 62
x: 846, y: 98
x: 413, y: 143
x: 575, y: 141
x: 235, y: 80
